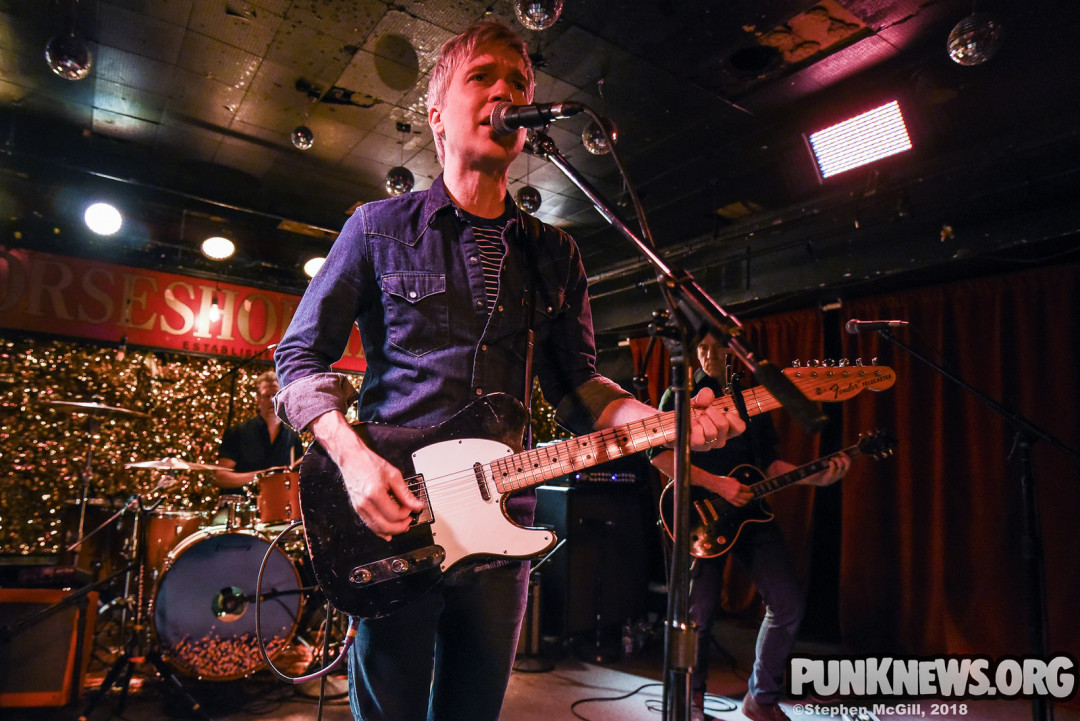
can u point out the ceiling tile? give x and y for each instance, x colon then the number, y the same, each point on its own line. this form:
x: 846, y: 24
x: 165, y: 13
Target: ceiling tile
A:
x: 218, y: 61
x: 140, y: 34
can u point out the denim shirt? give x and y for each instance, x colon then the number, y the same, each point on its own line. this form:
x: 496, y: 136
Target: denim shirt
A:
x: 407, y: 271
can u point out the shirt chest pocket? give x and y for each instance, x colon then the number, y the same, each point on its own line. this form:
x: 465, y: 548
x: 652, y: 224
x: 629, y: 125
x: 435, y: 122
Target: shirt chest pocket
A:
x: 417, y: 316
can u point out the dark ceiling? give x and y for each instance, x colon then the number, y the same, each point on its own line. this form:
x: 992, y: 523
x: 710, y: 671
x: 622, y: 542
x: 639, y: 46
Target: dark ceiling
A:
x: 187, y: 112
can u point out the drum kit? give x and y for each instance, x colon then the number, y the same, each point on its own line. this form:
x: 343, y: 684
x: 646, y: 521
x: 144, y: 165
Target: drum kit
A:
x: 190, y: 580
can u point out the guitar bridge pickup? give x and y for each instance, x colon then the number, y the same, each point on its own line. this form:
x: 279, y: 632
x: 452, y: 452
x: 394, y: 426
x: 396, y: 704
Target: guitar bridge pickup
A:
x: 395, y: 567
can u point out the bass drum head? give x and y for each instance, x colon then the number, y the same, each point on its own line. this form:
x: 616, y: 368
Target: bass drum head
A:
x: 203, y: 609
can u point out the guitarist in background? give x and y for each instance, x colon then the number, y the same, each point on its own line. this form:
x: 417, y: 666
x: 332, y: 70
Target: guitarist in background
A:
x: 444, y: 285
x: 760, y: 549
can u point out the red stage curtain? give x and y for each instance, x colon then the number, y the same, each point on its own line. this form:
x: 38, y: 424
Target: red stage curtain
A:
x: 932, y: 546
x: 931, y: 558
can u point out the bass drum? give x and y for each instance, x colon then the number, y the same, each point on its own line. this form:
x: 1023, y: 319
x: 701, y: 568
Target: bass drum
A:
x: 203, y: 608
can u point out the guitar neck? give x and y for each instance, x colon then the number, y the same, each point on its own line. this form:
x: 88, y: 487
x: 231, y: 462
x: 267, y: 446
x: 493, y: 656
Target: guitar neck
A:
x: 771, y: 485
x: 540, y: 465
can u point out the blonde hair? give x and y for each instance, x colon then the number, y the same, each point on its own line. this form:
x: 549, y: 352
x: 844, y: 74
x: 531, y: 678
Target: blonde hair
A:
x: 460, y: 48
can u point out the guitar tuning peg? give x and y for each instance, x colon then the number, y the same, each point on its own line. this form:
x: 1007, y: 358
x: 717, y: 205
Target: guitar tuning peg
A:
x: 796, y: 363
x: 829, y: 363
x: 813, y: 364
x: 858, y: 363
x: 844, y: 362
x: 873, y: 361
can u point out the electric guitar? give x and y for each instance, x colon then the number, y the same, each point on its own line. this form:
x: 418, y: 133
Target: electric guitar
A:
x: 463, y: 469
x: 715, y: 524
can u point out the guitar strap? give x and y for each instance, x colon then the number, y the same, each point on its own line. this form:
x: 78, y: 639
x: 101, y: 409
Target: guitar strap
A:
x: 532, y: 230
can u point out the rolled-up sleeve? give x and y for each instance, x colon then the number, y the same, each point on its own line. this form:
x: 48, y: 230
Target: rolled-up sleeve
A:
x: 307, y: 398
x: 319, y: 332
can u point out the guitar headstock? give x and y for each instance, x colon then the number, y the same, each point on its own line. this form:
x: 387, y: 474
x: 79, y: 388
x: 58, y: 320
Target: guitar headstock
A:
x: 839, y: 382
x: 878, y: 445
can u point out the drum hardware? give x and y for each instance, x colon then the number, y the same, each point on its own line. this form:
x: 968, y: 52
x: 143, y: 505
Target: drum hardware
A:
x: 92, y: 410
x: 191, y: 602
x: 135, y: 645
x: 234, y: 510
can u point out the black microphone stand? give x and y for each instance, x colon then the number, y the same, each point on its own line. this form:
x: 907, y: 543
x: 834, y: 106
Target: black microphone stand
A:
x: 1032, y: 549
x: 694, y: 314
x: 231, y: 373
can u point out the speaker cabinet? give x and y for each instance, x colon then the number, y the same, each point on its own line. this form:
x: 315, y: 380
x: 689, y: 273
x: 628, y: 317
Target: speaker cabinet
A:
x: 39, y: 653
x: 598, y: 578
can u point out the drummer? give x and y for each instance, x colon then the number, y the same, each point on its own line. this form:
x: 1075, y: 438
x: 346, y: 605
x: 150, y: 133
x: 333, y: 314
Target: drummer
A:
x: 258, y: 444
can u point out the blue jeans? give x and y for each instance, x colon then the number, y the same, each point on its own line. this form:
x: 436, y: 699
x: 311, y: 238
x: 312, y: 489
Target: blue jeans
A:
x: 761, y: 550
x: 446, y: 656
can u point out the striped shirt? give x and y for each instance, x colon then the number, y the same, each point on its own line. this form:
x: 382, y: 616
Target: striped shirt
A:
x: 488, y: 234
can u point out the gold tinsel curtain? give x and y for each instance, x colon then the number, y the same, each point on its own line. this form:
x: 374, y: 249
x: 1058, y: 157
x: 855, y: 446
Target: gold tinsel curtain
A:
x: 44, y: 448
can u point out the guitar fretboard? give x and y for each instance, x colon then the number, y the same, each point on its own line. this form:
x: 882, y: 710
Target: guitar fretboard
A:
x: 539, y: 465
x: 770, y: 485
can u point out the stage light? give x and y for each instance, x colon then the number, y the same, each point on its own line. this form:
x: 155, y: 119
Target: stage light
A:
x: 860, y: 140
x: 312, y: 266
x: 103, y: 218
x: 218, y: 248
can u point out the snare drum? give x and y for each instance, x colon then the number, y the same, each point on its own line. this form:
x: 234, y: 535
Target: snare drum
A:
x: 203, y: 609
x: 165, y: 528
x: 279, y: 496
x: 234, y: 510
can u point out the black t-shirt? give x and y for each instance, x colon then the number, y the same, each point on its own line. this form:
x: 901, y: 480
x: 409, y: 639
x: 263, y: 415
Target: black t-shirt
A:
x: 756, y: 445
x: 248, y: 444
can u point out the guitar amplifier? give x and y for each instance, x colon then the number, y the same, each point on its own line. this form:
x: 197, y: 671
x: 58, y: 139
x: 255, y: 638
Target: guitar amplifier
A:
x: 598, y: 579
x: 43, y: 663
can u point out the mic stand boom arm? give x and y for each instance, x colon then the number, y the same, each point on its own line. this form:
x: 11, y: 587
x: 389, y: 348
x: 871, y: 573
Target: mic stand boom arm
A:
x: 690, y: 302
x: 1031, y: 525
x: 694, y: 314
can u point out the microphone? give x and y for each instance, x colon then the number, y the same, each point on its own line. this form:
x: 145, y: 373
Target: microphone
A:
x: 854, y: 327
x: 507, y: 119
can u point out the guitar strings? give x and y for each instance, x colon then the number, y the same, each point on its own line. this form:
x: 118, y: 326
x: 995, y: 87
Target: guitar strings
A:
x: 522, y: 470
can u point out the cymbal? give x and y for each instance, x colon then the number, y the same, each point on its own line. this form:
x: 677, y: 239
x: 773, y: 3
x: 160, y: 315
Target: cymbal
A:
x: 170, y: 463
x: 95, y: 408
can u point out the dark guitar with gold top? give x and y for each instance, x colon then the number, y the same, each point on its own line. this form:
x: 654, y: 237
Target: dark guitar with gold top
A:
x: 463, y: 470
x: 715, y: 524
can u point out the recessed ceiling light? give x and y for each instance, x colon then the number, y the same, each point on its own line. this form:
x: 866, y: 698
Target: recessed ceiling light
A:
x: 312, y: 266
x: 103, y: 219
x: 218, y: 248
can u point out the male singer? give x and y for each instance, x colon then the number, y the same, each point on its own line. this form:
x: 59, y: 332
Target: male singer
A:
x: 444, y: 285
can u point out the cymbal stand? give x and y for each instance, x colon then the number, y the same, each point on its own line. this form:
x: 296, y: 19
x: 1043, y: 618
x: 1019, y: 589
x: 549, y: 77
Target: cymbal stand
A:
x: 92, y: 427
x: 138, y: 639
